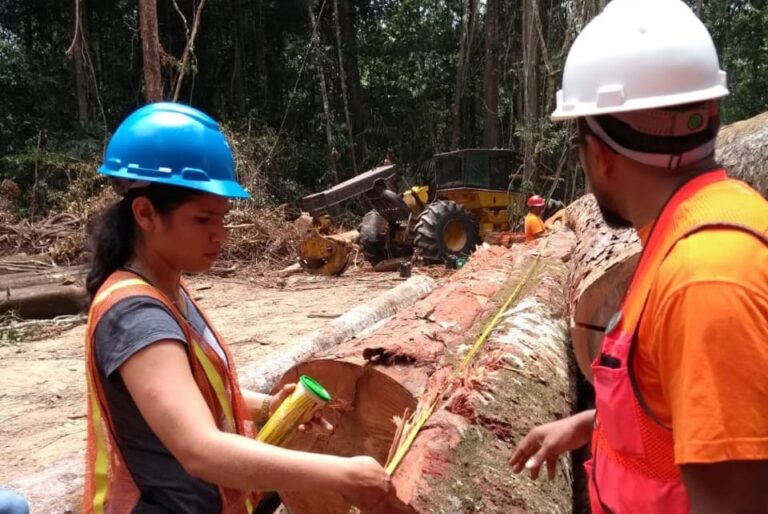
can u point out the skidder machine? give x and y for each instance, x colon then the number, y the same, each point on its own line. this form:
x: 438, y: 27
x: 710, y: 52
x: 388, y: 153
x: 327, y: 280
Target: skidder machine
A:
x: 469, y: 198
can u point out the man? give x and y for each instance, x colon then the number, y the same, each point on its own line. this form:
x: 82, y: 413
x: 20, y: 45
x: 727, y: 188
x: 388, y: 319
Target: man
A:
x: 534, y: 225
x: 681, y: 386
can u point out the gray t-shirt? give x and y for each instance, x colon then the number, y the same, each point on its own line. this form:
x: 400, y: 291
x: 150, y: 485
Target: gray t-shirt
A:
x: 127, y: 327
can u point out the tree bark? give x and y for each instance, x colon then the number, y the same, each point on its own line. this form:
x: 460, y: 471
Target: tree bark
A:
x: 460, y: 454
x: 491, y: 76
x: 742, y: 149
x: 318, y: 51
x: 343, y: 79
x: 150, y: 47
x: 599, y: 273
x: 461, y: 72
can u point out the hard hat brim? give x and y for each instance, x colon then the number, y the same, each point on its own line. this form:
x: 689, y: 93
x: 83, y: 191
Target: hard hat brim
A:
x: 225, y: 188
x: 579, y: 110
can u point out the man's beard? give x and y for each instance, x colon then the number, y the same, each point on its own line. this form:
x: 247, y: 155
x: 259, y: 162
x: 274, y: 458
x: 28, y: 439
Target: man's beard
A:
x: 611, y: 217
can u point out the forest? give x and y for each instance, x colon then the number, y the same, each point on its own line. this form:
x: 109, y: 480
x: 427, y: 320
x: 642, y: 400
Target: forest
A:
x: 312, y: 92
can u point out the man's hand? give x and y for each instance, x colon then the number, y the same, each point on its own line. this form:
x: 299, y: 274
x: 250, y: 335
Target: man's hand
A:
x: 546, y: 442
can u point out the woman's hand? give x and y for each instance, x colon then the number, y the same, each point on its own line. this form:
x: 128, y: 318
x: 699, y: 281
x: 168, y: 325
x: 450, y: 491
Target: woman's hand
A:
x: 317, y: 421
x: 546, y: 442
x: 366, y: 484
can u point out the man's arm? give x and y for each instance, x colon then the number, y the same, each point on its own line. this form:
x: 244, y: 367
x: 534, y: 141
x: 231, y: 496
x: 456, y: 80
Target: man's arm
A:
x: 733, y: 487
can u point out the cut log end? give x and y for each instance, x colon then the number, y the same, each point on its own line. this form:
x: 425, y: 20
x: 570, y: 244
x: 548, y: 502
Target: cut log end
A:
x: 364, y: 409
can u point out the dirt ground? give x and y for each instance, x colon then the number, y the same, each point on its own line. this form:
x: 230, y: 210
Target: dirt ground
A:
x: 42, y: 383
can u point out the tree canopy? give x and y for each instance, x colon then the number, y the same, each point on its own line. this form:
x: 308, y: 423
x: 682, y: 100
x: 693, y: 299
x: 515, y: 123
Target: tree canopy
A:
x: 411, y: 75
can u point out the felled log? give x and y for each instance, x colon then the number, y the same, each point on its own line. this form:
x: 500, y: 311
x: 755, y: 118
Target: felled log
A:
x: 599, y: 273
x: 22, y: 262
x: 264, y: 375
x: 52, y: 275
x: 45, y: 293
x: 458, y: 461
x: 58, y: 488
x: 742, y: 148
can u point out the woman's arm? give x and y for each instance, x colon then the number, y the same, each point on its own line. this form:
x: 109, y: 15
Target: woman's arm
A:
x: 254, y: 401
x: 160, y: 381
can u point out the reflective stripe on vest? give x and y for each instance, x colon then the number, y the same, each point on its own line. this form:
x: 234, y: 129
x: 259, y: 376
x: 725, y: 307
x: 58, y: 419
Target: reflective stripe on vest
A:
x: 633, y: 469
x: 109, y: 488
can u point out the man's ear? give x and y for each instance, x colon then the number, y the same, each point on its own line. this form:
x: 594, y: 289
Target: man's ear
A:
x: 602, y: 157
x: 144, y: 213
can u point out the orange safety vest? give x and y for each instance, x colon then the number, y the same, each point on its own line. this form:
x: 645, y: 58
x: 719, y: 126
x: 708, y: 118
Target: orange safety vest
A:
x: 633, y: 468
x: 109, y: 486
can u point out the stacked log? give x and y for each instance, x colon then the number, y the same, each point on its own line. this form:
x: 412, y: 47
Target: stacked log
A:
x: 457, y: 463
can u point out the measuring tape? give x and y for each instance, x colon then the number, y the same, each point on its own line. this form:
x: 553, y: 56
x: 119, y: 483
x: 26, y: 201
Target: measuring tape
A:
x: 423, y: 416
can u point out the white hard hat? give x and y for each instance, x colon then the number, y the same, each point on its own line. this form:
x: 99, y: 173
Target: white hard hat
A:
x: 639, y: 54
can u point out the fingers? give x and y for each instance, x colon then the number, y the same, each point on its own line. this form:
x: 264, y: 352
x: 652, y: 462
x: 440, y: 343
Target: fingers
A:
x: 527, y: 447
x: 533, y: 465
x: 317, y: 421
x: 551, y: 468
x: 543, y: 455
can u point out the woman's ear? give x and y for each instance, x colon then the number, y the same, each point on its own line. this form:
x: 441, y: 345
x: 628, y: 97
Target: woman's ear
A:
x: 144, y: 213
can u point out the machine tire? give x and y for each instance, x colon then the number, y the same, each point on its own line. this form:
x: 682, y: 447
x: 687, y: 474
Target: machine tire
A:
x: 445, y: 228
x: 375, y: 239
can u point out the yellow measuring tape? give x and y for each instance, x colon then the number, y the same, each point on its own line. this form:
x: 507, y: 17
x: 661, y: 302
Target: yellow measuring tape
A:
x: 426, y: 413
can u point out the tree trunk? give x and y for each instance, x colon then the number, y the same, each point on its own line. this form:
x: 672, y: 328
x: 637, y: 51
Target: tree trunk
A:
x: 150, y: 47
x: 237, y: 83
x: 347, y: 20
x: 457, y: 462
x: 80, y: 65
x: 343, y: 79
x: 530, y: 89
x: 461, y: 72
x: 491, y: 76
x: 318, y: 51
x: 599, y: 273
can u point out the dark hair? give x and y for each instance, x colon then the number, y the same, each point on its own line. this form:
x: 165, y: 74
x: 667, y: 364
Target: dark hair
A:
x: 627, y: 137
x: 113, y: 238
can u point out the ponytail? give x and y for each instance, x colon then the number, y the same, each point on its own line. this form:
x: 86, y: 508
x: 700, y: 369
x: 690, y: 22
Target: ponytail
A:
x: 113, y: 239
x: 112, y: 243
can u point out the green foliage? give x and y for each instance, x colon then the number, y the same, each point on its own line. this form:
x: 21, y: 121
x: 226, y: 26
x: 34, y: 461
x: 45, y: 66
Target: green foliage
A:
x: 252, y: 69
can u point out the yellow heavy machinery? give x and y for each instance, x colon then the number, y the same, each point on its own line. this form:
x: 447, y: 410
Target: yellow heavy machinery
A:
x: 470, y: 197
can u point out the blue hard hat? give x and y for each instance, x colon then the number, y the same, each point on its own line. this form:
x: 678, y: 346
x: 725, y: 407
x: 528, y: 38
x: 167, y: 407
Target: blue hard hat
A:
x: 173, y: 144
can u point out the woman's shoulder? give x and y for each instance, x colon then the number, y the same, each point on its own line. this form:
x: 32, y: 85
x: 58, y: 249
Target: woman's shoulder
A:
x: 131, y: 324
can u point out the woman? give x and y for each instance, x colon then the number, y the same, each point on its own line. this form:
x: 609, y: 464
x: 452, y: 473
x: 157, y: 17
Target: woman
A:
x: 169, y: 428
